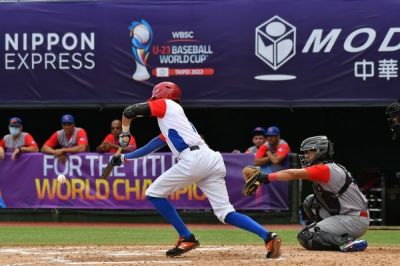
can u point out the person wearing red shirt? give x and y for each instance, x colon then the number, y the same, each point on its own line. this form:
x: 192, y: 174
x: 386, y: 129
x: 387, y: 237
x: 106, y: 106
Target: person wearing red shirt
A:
x: 197, y: 163
x: 111, y: 141
x: 273, y: 155
x: 337, y: 210
x: 17, y: 141
x: 69, y: 139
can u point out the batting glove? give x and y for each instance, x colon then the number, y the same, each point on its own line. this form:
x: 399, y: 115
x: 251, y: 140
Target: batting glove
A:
x: 116, y: 161
x: 124, y: 138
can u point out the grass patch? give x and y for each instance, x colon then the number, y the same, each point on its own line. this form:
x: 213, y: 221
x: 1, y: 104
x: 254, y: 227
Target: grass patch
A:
x: 41, y: 235
x: 383, y: 237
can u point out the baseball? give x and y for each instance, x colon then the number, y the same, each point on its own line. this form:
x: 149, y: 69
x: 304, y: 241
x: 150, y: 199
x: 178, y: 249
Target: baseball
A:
x: 141, y: 33
x: 61, y: 179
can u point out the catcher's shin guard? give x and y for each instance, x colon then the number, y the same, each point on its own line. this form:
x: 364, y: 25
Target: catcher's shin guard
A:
x: 315, y: 239
x: 183, y: 246
x: 273, y: 246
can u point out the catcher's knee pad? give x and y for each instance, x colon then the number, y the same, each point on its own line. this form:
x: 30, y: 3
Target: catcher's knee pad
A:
x: 315, y: 239
x: 304, y: 237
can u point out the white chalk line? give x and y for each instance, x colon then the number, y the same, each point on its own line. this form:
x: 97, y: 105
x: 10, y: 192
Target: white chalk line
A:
x: 25, y: 252
x: 58, y: 252
x: 262, y: 260
x: 70, y: 262
x: 210, y: 248
x: 21, y: 264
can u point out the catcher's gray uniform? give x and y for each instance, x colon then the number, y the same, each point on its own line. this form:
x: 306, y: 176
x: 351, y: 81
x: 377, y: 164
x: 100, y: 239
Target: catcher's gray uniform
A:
x: 339, y: 203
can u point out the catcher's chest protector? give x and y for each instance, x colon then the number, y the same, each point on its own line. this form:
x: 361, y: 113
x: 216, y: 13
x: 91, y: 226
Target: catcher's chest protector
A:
x: 329, y: 200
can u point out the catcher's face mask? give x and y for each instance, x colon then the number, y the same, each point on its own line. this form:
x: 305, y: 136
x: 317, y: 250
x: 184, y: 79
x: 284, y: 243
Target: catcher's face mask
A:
x: 307, y: 157
x: 314, y: 150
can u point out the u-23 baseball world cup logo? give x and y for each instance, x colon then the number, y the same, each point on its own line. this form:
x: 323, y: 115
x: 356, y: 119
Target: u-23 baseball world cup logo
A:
x: 275, y: 45
x: 142, y: 38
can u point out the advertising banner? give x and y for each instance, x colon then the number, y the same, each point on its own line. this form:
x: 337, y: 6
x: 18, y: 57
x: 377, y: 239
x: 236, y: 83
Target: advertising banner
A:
x: 221, y: 53
x: 31, y: 182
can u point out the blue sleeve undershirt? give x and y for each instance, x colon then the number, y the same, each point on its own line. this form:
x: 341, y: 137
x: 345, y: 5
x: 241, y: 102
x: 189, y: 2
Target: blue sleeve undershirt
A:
x: 153, y: 145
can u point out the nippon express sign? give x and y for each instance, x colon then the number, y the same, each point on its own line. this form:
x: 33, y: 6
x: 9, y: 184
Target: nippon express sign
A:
x: 276, y: 38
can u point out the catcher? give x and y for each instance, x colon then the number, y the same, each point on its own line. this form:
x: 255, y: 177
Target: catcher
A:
x: 338, y: 209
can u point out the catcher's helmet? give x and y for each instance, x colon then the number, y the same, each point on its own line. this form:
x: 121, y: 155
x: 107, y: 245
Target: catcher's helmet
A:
x: 320, y: 145
x: 393, y: 113
x: 166, y: 90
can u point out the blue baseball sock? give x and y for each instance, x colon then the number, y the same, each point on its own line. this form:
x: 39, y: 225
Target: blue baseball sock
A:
x: 246, y: 223
x: 170, y: 214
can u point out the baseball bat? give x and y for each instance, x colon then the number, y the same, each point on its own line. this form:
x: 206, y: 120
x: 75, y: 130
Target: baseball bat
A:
x: 109, y: 167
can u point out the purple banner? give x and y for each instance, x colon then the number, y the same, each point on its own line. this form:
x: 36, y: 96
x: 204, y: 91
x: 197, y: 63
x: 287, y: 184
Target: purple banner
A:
x: 224, y: 53
x: 30, y: 182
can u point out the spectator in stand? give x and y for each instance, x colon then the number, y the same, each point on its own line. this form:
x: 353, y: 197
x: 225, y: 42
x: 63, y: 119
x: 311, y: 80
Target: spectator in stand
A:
x: 258, y: 140
x: 17, y: 141
x: 69, y: 139
x: 273, y: 155
x: 111, y: 141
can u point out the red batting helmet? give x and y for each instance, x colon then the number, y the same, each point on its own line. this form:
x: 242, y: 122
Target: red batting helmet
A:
x: 166, y: 90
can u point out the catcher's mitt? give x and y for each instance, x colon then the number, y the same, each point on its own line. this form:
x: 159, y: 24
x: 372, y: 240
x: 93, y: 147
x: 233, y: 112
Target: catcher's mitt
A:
x: 251, y: 175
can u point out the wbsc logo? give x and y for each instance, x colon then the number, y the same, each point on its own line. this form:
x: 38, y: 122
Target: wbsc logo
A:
x: 141, y: 35
x: 275, y: 45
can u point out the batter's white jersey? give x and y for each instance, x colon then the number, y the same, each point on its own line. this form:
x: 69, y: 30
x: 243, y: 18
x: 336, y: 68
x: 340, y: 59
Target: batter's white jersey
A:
x: 197, y: 162
x: 179, y: 133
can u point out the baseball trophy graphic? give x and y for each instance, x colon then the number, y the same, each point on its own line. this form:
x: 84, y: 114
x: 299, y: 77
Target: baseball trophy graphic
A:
x: 275, y: 45
x: 142, y: 37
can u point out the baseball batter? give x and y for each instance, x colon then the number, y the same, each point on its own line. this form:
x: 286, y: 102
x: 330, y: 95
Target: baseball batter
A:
x: 196, y: 163
x: 338, y: 210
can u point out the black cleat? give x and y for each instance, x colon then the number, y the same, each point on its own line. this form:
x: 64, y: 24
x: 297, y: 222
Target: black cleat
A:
x: 273, y: 247
x: 183, y: 246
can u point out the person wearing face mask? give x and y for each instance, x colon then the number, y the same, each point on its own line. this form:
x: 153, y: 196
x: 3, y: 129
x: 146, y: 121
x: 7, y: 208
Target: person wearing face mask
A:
x: 17, y: 141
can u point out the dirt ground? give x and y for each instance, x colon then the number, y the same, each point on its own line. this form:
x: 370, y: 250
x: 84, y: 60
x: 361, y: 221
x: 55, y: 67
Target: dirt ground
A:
x: 204, y: 255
